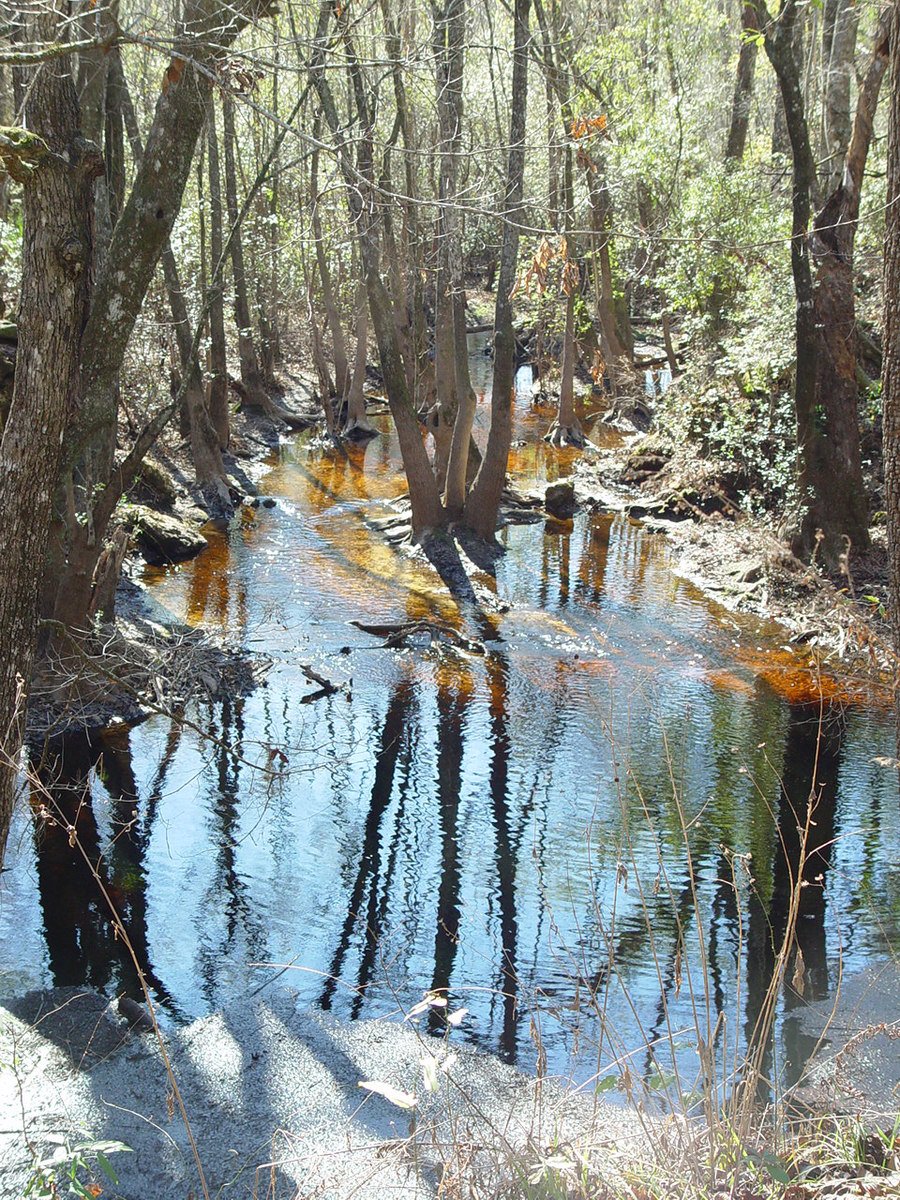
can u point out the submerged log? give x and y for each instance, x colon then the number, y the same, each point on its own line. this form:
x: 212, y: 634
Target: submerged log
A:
x: 325, y: 686
x: 398, y: 634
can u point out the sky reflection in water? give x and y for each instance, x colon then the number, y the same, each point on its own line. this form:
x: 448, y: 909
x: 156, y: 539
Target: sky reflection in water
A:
x: 511, y: 828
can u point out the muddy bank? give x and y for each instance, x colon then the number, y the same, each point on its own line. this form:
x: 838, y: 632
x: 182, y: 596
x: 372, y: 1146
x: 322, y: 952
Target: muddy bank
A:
x: 267, y: 1096
x: 856, y: 1071
x: 738, y: 558
x: 144, y: 660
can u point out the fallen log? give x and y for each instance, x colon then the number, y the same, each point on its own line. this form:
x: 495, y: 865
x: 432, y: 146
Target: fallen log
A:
x: 399, y: 634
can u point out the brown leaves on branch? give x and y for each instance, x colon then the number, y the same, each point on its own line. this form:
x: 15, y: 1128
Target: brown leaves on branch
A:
x: 537, y: 274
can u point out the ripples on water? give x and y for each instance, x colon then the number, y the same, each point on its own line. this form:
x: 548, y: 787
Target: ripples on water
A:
x: 511, y: 828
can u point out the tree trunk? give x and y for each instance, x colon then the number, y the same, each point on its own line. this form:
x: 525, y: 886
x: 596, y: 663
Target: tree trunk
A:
x: 456, y: 400
x: 267, y: 283
x: 56, y: 258
x: 601, y: 223
x: 828, y: 477
x: 781, y: 137
x: 566, y: 429
x: 427, y: 510
x: 418, y: 365
x: 217, y: 398
x: 840, y: 507
x: 206, y: 453
x: 332, y: 316
x: 483, y: 500
x: 155, y: 199
x: 137, y: 242
x: 838, y: 54
x: 356, y: 426
x: 891, y: 339
x: 743, y: 87
x: 250, y: 373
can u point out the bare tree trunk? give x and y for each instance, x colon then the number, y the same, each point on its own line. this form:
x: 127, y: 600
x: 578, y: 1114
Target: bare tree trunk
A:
x: 483, y: 500
x: 267, y: 295
x: 601, y: 223
x: 56, y: 258
x: 456, y: 400
x: 332, y: 316
x: 829, y: 482
x: 356, y: 426
x: 217, y: 398
x: 205, y: 450
x: 137, y: 242
x: 250, y: 373
x: 840, y: 507
x: 155, y: 198
x: 323, y: 375
x: 419, y: 372
x: 891, y: 339
x: 566, y: 428
x: 781, y: 137
x: 839, y: 53
x: 743, y: 87
x: 427, y: 510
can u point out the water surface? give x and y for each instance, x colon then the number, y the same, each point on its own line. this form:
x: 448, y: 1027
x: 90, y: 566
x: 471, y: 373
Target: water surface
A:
x: 586, y: 837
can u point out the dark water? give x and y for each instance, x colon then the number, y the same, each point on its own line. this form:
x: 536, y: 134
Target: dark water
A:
x: 587, y: 836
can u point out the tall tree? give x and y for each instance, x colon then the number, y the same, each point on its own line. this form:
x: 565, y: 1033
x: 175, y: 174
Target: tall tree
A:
x: 891, y: 375
x: 359, y: 177
x: 57, y: 168
x: 72, y: 414
x: 483, y: 500
x: 840, y: 24
x: 831, y: 495
x: 217, y: 398
x: 743, y: 86
x: 251, y: 377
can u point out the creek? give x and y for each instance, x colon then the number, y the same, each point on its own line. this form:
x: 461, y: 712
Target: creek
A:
x: 585, y: 837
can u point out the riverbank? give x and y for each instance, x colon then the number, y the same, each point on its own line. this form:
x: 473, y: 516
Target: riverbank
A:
x: 273, y: 1095
x: 145, y: 660
x: 838, y: 623
x: 268, y: 1097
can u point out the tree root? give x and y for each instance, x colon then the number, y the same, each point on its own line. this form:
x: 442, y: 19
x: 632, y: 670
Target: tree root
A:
x: 566, y: 435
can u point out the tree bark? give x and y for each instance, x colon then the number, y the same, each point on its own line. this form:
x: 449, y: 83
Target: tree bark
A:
x: 483, y: 500
x: 217, y: 397
x: 838, y: 54
x: 456, y: 401
x: 566, y: 428
x: 891, y: 339
x: 155, y: 199
x: 840, y: 507
x: 332, y: 316
x: 251, y: 377
x: 743, y: 87
x: 206, y: 453
x: 355, y: 425
x: 56, y: 258
x: 825, y: 501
